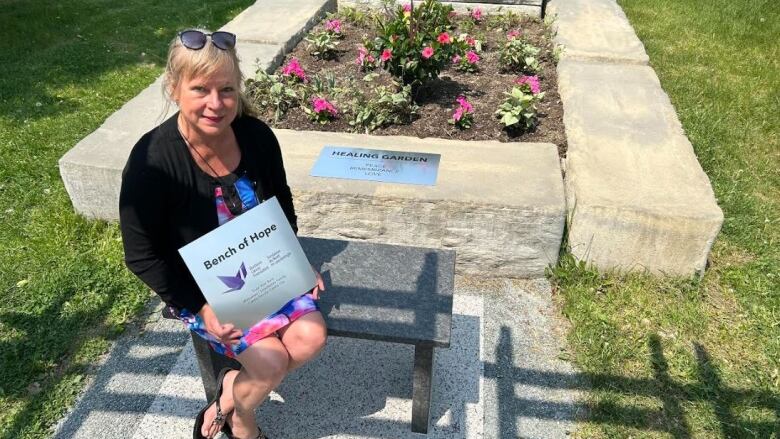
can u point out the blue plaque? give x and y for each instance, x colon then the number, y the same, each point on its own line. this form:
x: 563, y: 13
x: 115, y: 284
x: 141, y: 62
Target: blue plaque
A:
x: 377, y: 165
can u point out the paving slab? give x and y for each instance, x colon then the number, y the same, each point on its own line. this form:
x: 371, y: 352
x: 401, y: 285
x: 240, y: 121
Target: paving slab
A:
x: 637, y: 196
x: 279, y: 21
x: 486, y: 385
x: 596, y: 29
x: 500, y: 205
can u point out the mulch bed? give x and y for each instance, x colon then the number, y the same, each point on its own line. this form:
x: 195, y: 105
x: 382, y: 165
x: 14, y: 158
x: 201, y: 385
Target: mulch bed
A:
x: 484, y: 89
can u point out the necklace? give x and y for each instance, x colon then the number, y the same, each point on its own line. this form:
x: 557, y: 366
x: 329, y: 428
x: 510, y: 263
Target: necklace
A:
x: 234, y: 206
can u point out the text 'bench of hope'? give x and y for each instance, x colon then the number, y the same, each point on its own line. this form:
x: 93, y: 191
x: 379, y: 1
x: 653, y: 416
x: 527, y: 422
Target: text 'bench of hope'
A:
x: 376, y: 292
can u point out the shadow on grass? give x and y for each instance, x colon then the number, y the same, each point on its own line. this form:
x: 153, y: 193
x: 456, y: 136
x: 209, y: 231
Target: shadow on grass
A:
x: 48, y: 48
x: 673, y: 396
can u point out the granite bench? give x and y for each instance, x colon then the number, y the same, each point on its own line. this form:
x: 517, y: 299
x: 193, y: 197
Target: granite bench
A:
x: 378, y: 292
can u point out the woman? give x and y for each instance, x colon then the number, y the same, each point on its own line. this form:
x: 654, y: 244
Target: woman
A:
x: 202, y: 167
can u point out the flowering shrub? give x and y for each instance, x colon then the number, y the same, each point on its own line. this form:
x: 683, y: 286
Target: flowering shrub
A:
x: 271, y: 92
x: 322, y: 44
x: 294, y: 71
x: 390, y: 105
x: 365, y: 60
x: 518, y: 54
x: 321, y: 111
x: 529, y: 84
x: 463, y: 115
x: 418, y: 40
x: 519, y: 109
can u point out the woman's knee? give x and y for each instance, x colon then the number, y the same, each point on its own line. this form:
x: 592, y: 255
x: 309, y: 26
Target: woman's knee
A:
x: 267, y: 360
x: 308, y: 333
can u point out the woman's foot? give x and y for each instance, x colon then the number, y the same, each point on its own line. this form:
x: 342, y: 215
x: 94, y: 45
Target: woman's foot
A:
x: 211, y: 424
x: 246, y: 428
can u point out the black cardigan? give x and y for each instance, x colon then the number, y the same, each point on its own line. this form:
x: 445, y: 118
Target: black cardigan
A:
x: 167, y: 201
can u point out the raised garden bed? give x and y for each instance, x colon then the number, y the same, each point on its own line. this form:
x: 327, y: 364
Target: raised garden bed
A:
x: 430, y: 102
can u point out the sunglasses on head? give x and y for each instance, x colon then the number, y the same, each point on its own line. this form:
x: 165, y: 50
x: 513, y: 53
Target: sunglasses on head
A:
x: 196, y: 40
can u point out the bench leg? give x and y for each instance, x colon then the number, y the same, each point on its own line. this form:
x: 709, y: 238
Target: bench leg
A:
x: 421, y: 390
x: 210, y: 363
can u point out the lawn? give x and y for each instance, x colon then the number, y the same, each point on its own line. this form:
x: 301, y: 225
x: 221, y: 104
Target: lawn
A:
x: 697, y: 358
x: 64, y: 291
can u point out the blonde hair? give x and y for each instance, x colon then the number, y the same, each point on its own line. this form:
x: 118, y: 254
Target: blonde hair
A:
x: 186, y: 63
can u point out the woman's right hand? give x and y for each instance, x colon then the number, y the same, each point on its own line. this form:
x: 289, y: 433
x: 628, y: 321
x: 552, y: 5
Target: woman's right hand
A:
x: 228, y: 334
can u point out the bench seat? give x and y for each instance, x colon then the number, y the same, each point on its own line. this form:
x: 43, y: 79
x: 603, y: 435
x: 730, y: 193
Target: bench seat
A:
x: 378, y: 292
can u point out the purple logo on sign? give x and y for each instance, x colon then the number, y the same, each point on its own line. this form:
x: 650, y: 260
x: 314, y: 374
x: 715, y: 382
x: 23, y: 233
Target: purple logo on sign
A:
x: 236, y: 282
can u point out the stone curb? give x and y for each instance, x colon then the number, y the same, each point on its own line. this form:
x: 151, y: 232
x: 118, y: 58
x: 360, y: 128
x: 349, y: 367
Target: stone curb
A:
x: 636, y: 195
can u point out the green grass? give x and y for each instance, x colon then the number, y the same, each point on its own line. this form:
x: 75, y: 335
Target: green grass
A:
x: 686, y: 358
x: 64, y: 291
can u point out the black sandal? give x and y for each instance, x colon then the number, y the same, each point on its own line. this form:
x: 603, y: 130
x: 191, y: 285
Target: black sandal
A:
x: 220, y: 418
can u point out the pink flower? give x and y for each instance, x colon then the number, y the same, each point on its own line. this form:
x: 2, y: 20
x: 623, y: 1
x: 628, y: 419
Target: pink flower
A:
x: 293, y: 68
x: 465, y: 104
x: 408, y: 7
x: 387, y: 54
x: 476, y: 14
x: 471, y: 41
x: 531, y: 81
x: 512, y: 34
x: 364, y: 57
x: 456, y: 59
x: 472, y: 57
x: 444, y: 38
x: 457, y: 114
x: 464, y: 108
x: 427, y: 52
x: 333, y: 26
x: 322, y: 105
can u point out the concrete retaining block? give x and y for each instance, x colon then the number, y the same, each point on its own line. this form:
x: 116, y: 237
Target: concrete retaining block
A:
x: 500, y: 205
x: 596, y: 29
x: 636, y: 194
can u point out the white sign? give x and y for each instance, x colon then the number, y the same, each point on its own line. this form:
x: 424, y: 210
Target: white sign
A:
x: 377, y: 165
x: 251, y: 266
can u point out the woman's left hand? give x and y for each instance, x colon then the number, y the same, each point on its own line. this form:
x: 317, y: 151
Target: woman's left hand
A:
x: 320, y: 287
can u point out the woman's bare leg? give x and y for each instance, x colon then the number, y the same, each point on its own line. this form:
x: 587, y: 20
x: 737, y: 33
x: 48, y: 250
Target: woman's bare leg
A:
x: 263, y: 366
x: 304, y: 338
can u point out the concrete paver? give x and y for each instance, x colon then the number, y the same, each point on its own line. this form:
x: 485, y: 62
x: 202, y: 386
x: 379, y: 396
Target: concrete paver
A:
x: 596, y: 29
x: 279, y: 21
